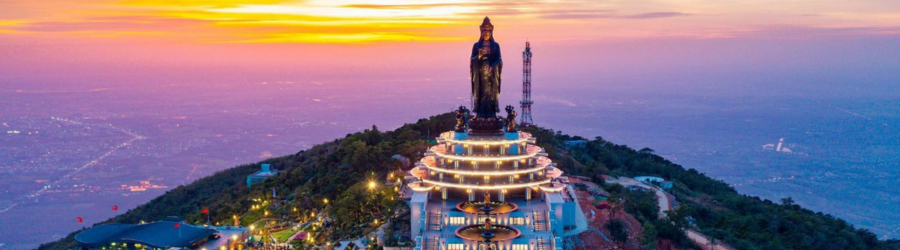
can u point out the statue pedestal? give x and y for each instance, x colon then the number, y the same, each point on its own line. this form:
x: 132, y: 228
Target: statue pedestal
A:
x: 486, y: 126
x: 514, y: 148
x: 458, y: 149
x: 460, y: 135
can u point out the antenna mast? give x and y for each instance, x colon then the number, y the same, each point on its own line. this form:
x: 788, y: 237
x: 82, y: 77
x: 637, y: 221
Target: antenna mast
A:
x: 526, y: 87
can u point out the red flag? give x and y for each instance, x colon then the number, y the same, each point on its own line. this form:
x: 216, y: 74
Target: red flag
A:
x: 115, y: 207
x: 206, y: 211
x: 80, y: 220
x: 177, y: 224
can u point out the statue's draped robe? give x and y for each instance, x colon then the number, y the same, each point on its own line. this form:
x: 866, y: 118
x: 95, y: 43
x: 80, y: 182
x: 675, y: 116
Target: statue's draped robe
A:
x: 486, y: 87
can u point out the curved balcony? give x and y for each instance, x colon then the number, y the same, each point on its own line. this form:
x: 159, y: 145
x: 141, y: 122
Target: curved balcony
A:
x: 419, y: 172
x: 420, y: 187
x: 553, y: 172
x: 488, y: 186
x: 553, y: 187
x: 530, y: 151
x: 540, y: 165
x: 475, y: 140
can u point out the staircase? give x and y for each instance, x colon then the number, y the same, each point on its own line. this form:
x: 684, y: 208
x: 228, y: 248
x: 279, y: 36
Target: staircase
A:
x: 540, y: 221
x: 434, y: 221
x: 430, y: 244
x: 543, y: 244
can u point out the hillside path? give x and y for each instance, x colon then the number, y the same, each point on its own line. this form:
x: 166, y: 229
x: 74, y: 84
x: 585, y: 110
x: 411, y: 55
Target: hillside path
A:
x: 665, y: 205
x: 661, y: 197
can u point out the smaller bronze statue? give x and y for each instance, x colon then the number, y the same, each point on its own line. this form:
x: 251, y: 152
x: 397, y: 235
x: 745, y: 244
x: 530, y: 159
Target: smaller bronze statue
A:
x: 510, y: 119
x: 487, y: 224
x: 462, y: 119
x: 487, y: 198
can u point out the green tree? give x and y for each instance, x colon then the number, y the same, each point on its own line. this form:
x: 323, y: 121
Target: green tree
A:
x: 649, y: 238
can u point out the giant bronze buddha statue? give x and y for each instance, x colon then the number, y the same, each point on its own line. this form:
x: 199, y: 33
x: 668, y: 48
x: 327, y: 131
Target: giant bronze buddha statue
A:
x: 485, y: 67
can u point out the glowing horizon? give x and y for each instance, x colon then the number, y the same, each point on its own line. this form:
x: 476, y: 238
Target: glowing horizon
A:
x: 361, y: 22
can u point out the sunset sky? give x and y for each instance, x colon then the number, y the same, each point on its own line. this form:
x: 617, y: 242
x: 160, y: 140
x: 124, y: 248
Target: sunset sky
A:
x: 355, y: 21
x: 102, y: 39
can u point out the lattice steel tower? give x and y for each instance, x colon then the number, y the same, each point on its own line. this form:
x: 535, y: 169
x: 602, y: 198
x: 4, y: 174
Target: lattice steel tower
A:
x: 526, y: 87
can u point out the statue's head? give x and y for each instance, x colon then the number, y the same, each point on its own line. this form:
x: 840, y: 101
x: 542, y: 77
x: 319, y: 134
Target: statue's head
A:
x: 486, y: 29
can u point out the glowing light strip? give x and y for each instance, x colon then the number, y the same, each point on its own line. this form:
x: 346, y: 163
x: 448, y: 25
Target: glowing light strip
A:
x: 553, y: 189
x: 491, y: 187
x: 485, y: 158
x: 523, y: 137
x: 420, y: 188
x: 491, y: 173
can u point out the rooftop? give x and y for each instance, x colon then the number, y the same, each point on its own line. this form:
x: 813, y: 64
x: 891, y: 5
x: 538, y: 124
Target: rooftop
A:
x: 161, y: 234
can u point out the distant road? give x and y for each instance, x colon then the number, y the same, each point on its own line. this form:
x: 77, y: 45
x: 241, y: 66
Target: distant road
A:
x: 664, y: 205
x: 661, y: 197
x: 65, y: 177
x: 703, y: 241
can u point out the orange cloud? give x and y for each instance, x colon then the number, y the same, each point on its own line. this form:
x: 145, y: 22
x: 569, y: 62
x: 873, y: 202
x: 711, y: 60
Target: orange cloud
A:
x: 358, y: 21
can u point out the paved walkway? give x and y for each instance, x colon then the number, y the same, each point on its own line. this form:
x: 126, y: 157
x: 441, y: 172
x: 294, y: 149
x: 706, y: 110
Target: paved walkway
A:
x: 301, y: 227
x: 703, y: 241
x: 344, y: 243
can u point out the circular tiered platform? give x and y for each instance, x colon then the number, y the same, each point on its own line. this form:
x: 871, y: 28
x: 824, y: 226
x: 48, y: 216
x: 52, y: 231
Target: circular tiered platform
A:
x: 503, y: 163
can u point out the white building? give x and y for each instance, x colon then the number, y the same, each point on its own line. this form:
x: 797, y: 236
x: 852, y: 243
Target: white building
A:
x: 529, y: 208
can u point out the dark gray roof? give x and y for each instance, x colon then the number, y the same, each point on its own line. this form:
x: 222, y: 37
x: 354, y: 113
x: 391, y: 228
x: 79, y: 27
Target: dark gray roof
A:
x: 160, y: 234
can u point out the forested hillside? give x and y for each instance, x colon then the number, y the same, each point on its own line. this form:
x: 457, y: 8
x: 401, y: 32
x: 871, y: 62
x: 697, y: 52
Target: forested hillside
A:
x: 334, y: 170
x: 742, y: 221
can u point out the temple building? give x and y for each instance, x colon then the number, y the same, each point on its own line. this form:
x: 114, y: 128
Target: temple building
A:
x: 486, y: 185
x: 172, y: 233
x: 261, y: 175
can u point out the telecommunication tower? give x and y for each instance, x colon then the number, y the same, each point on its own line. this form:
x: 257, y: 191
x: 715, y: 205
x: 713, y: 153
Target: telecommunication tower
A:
x: 526, y: 87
